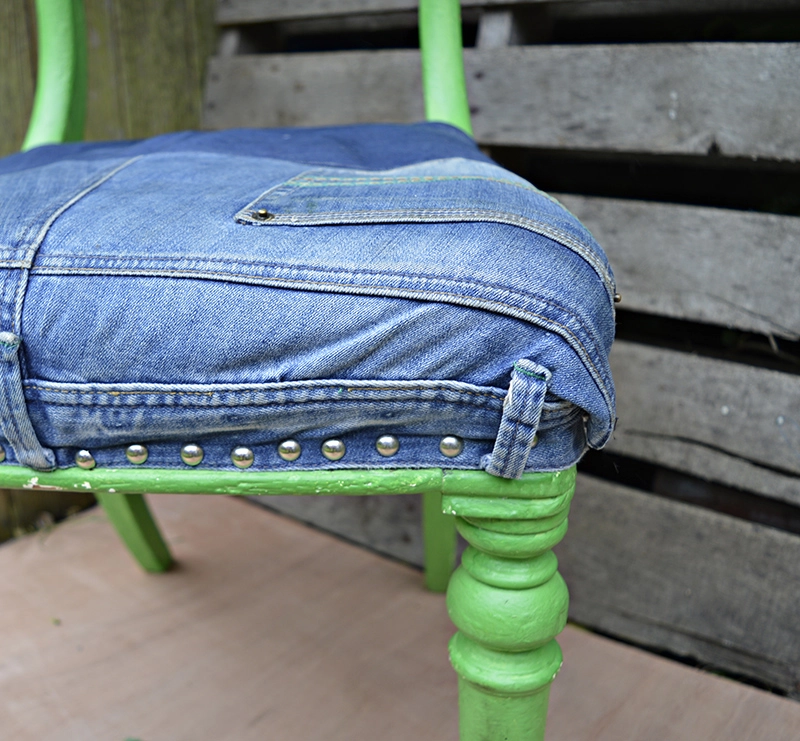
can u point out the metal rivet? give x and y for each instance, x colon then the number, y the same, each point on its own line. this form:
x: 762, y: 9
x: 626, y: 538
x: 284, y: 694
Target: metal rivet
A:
x: 136, y: 454
x: 289, y: 450
x: 387, y: 445
x: 2, y: 454
x: 333, y: 450
x: 84, y: 459
x: 191, y: 454
x: 451, y: 446
x: 242, y: 457
x: 617, y: 298
x: 263, y: 214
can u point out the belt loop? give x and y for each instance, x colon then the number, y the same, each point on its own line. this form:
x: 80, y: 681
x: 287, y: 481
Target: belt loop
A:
x: 14, y: 421
x: 522, y: 410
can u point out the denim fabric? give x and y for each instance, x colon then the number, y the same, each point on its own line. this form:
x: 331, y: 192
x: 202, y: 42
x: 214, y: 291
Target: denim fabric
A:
x: 250, y: 286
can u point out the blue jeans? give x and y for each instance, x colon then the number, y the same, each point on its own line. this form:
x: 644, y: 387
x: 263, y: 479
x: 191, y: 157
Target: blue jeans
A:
x: 247, y: 287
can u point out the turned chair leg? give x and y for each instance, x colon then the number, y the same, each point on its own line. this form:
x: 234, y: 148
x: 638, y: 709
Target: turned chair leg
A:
x: 508, y: 602
x: 131, y: 518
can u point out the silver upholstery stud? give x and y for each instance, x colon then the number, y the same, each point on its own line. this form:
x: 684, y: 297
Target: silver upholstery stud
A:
x: 2, y: 454
x: 451, y: 446
x: 242, y: 457
x: 333, y: 450
x: 84, y: 459
x: 289, y: 450
x: 136, y: 454
x: 387, y: 445
x: 191, y: 454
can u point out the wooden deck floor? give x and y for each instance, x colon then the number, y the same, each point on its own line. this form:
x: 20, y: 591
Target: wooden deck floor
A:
x: 270, y: 630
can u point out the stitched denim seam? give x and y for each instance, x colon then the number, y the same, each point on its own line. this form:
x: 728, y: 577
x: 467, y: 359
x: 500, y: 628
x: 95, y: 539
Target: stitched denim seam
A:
x: 322, y: 181
x: 281, y: 404
x: 45, y: 228
x: 55, y: 270
x: 311, y: 385
x: 473, y: 302
x: 430, y: 215
x: 327, y: 284
x: 196, y: 273
x: 244, y: 277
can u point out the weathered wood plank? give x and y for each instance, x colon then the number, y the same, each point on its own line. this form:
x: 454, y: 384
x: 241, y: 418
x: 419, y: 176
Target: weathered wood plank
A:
x: 739, y: 99
x: 693, y: 582
x: 17, y: 62
x: 497, y: 29
x: 313, y: 89
x: 136, y: 94
x: 660, y: 98
x: 253, y: 11
x: 146, y: 67
x: 388, y: 525
x: 22, y: 511
x: 713, y: 265
x: 722, y: 421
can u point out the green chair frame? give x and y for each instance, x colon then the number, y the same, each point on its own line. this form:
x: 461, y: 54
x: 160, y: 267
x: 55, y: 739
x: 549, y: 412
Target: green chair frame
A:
x: 507, y: 599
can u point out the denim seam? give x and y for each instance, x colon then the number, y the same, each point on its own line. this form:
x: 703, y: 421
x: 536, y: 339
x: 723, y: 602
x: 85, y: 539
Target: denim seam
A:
x: 45, y: 228
x: 289, y: 404
x: 470, y: 301
x: 321, y: 181
x: 477, y: 302
x: 432, y: 215
x: 16, y: 419
x: 55, y: 270
x: 212, y: 393
x: 321, y: 385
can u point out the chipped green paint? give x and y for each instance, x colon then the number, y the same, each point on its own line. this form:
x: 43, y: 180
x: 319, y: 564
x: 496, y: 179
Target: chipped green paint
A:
x: 478, y: 484
x: 508, y: 602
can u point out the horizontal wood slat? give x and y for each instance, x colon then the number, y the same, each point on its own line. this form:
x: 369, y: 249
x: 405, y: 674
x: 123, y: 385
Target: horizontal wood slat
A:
x: 738, y: 99
x: 730, y: 268
x: 313, y: 89
x: 727, y: 422
x: 693, y: 582
x: 253, y: 11
x: 660, y: 98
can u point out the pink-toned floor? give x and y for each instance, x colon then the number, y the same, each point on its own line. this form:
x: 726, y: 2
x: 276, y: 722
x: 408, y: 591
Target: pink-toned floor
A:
x: 270, y: 630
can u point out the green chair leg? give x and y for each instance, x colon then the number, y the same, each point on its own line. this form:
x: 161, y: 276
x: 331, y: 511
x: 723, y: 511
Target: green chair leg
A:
x: 439, y: 538
x: 133, y: 522
x: 508, y: 602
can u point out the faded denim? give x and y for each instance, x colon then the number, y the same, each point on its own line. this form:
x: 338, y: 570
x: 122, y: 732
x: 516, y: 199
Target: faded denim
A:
x: 250, y: 286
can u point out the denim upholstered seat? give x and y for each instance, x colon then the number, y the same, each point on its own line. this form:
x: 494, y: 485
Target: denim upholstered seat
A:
x: 252, y: 289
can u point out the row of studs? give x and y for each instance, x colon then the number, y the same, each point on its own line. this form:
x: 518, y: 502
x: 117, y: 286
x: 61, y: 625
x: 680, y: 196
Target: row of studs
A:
x: 289, y: 450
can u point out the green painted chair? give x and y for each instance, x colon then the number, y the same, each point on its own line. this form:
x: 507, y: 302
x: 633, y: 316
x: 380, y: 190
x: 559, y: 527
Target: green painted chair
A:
x: 507, y: 599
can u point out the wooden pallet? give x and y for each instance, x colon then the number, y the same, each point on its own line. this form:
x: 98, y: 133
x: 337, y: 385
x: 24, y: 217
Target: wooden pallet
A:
x: 672, y: 129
